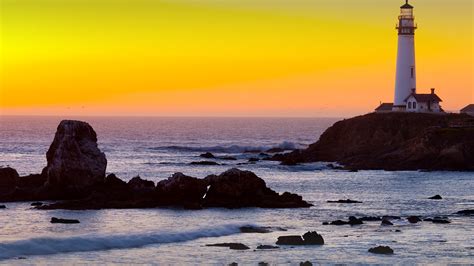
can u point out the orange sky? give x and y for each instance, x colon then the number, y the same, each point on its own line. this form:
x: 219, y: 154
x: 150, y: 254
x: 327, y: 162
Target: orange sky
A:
x: 224, y: 58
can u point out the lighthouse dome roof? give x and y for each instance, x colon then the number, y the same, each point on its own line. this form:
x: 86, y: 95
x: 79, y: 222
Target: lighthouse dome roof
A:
x: 407, y: 5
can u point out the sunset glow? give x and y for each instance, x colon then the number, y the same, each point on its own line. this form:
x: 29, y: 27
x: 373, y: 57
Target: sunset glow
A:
x: 224, y: 58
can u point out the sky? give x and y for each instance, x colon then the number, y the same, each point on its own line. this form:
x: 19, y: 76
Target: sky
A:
x: 292, y: 58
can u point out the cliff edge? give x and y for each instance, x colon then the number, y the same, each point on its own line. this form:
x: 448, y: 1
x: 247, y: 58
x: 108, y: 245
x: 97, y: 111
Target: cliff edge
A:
x: 394, y: 141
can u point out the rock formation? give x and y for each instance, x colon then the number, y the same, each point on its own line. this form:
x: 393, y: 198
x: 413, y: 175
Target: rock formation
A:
x: 75, y: 163
x: 394, y: 141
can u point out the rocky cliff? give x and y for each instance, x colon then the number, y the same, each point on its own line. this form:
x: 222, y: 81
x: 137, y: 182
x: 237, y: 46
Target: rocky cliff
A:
x: 394, y: 141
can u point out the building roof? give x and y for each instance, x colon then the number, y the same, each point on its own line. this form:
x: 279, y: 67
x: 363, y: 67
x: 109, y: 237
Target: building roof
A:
x: 469, y: 108
x: 407, y: 5
x: 423, y: 98
x: 385, y: 107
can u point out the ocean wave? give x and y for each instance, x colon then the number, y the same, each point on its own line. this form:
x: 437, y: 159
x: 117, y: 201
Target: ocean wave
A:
x: 88, y: 243
x: 286, y: 146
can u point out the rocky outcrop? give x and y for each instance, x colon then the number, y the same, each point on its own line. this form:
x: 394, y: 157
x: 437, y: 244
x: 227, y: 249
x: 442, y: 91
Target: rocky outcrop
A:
x: 8, y: 179
x: 237, y: 189
x: 181, y: 190
x: 75, y: 162
x: 394, y: 141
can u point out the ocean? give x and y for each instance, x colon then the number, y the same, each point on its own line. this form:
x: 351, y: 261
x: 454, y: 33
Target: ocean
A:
x: 155, y: 148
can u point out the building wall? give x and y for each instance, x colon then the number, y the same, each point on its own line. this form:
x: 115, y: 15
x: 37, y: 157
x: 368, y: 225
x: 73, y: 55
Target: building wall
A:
x: 421, y: 107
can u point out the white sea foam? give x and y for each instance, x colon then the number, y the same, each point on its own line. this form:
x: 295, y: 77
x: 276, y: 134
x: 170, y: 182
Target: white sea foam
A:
x: 49, y: 246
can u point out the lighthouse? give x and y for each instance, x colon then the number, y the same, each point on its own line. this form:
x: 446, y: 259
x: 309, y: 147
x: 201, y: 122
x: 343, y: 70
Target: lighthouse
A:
x: 405, y: 83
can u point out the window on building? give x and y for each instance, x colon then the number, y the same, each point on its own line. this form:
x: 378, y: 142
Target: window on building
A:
x: 409, y: 105
x: 414, y: 105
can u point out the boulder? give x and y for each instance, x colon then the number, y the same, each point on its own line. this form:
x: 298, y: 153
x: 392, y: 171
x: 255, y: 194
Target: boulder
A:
x: 309, y: 238
x: 466, y: 212
x: 413, y: 219
x: 181, y: 190
x: 254, y: 229
x: 267, y: 247
x: 386, y: 222
x: 8, y: 179
x: 237, y: 189
x: 55, y: 220
x: 290, y: 241
x: 139, y: 184
x: 75, y: 162
x: 436, y: 197
x: 347, y: 201
x: 381, y: 250
x: 313, y: 238
x: 3, y: 206
x: 234, y: 246
x: 204, y: 163
x: 355, y: 221
x: 207, y: 155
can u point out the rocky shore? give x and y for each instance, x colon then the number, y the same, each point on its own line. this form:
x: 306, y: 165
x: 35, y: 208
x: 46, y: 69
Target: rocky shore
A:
x: 75, y: 175
x: 394, y: 141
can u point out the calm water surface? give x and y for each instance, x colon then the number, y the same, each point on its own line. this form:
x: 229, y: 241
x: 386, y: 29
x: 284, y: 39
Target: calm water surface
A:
x: 155, y: 148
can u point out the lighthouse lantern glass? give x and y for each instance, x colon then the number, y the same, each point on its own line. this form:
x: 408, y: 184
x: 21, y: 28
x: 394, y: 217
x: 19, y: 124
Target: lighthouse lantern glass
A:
x: 407, y: 12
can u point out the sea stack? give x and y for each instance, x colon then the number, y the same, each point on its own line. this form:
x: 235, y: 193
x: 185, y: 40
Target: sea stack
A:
x: 75, y: 162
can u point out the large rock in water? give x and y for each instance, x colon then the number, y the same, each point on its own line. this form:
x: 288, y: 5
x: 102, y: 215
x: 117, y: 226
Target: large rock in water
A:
x: 75, y: 163
x: 237, y: 189
x: 8, y: 179
x: 395, y: 141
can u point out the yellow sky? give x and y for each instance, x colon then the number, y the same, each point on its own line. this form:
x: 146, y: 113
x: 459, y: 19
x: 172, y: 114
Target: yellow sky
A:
x: 224, y: 58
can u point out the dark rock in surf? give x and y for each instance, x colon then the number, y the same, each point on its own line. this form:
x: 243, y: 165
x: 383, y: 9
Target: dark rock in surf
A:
x: 371, y: 218
x: 75, y: 163
x: 253, y: 160
x: 275, y: 150
x: 347, y: 201
x: 3, y: 207
x: 339, y: 222
x: 234, y: 246
x: 264, y: 247
x: 386, y: 222
x: 36, y: 204
x: 227, y: 158
x: 440, y: 221
x: 254, y: 229
x: 413, y: 219
x: 55, y: 220
x: 466, y: 212
x: 385, y: 250
x: 208, y: 163
x: 355, y: 221
x: 436, y: 197
x: 207, y: 155
x: 309, y: 238
x: 306, y: 263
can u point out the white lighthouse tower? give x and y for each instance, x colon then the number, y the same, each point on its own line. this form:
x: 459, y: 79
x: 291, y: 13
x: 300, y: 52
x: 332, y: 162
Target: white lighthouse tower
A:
x: 405, y: 83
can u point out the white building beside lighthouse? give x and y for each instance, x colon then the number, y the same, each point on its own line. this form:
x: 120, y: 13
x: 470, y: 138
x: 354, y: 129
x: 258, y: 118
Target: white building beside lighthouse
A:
x: 406, y: 98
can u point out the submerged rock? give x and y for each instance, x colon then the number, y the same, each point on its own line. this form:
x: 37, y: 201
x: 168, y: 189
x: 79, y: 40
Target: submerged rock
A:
x: 347, y: 201
x: 234, y: 246
x: 413, y: 219
x: 254, y: 229
x: 75, y: 162
x: 466, y: 212
x: 55, y: 220
x: 267, y: 247
x: 3, y: 207
x: 386, y: 222
x: 381, y: 250
x: 290, y: 240
x: 207, y: 155
x: 204, y: 163
x: 36, y: 204
x: 440, y: 221
x: 306, y: 263
x: 436, y: 197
